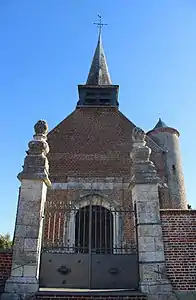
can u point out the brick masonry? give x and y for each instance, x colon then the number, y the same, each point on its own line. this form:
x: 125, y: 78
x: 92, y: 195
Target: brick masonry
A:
x: 94, y: 142
x: 179, y: 235
x: 92, y: 297
x: 63, y: 297
x: 5, y: 266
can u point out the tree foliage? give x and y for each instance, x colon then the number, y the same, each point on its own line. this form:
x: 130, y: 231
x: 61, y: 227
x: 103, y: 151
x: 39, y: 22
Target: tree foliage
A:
x: 5, y: 241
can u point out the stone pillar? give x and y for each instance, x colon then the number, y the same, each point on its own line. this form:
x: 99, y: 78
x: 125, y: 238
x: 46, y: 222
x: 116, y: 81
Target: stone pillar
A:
x: 144, y: 185
x: 24, y: 279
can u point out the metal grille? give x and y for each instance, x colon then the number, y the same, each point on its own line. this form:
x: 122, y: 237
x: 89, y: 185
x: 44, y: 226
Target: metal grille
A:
x: 94, y: 230
x: 99, y: 250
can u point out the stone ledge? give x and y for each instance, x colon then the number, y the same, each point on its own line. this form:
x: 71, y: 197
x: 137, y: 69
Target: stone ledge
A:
x: 178, y: 211
x: 156, y: 287
x: 8, y: 250
x: 17, y: 286
x: 52, y: 293
x: 174, y: 295
x: 89, y: 185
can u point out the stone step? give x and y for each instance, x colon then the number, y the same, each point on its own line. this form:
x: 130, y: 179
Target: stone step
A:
x: 68, y: 294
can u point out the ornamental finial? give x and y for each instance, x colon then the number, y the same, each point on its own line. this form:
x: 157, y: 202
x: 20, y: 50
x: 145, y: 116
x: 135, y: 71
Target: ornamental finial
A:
x: 41, y: 127
x: 138, y: 135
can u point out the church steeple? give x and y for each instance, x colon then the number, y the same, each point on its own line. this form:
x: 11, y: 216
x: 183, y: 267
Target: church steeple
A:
x: 99, y: 74
x: 98, y: 90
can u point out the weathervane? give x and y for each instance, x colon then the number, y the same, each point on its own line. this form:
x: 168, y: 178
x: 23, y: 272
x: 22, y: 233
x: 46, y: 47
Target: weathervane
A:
x: 100, y: 24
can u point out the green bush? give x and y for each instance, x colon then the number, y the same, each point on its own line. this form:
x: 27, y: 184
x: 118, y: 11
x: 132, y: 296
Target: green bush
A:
x: 5, y: 241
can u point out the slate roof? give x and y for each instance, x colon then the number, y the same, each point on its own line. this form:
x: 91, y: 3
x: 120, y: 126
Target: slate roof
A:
x: 160, y: 124
x: 99, y: 74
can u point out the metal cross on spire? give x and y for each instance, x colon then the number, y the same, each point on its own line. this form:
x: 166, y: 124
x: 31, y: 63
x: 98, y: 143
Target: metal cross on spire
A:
x: 100, y: 24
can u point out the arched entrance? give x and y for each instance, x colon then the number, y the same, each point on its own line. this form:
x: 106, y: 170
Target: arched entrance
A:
x: 94, y: 230
x: 97, y: 252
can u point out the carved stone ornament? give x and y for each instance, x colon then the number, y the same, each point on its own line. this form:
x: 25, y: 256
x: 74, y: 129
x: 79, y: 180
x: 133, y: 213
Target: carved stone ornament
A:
x: 37, y: 147
x: 41, y: 127
x: 138, y: 134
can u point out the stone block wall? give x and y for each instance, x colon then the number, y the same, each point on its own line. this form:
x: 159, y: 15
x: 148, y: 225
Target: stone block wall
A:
x: 179, y: 235
x: 5, y: 266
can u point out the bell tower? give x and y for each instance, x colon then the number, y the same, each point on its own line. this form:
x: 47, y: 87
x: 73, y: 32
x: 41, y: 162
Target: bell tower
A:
x: 98, y: 90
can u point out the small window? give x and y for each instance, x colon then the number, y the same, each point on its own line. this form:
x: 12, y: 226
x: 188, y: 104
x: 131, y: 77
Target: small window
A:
x: 104, y: 101
x: 90, y: 100
x: 174, y: 168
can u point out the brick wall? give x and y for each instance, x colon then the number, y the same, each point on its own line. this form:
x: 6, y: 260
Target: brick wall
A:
x: 5, y: 266
x: 179, y: 234
x: 94, y: 141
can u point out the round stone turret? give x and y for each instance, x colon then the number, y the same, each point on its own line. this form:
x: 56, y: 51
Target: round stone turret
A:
x: 168, y: 139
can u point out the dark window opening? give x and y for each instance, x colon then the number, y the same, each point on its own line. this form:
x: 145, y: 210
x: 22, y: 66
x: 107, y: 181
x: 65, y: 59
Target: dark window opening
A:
x: 173, y: 168
x: 90, y: 100
x: 160, y: 197
x: 104, y: 101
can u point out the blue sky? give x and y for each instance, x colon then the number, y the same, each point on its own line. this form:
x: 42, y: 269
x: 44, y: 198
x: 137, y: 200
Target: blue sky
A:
x: 46, y: 50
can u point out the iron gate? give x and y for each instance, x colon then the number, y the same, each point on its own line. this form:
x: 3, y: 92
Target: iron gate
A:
x: 99, y: 251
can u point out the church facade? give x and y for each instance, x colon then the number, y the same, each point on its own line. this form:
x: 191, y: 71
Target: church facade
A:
x: 102, y: 205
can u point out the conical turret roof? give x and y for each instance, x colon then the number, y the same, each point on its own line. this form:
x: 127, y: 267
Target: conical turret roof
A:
x: 160, y: 124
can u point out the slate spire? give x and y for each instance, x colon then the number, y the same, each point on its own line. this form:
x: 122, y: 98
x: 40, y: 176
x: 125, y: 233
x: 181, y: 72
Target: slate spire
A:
x: 98, y: 90
x: 99, y: 74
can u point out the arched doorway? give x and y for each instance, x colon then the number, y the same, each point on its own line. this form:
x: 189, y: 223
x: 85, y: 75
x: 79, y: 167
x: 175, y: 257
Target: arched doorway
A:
x: 94, y: 230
